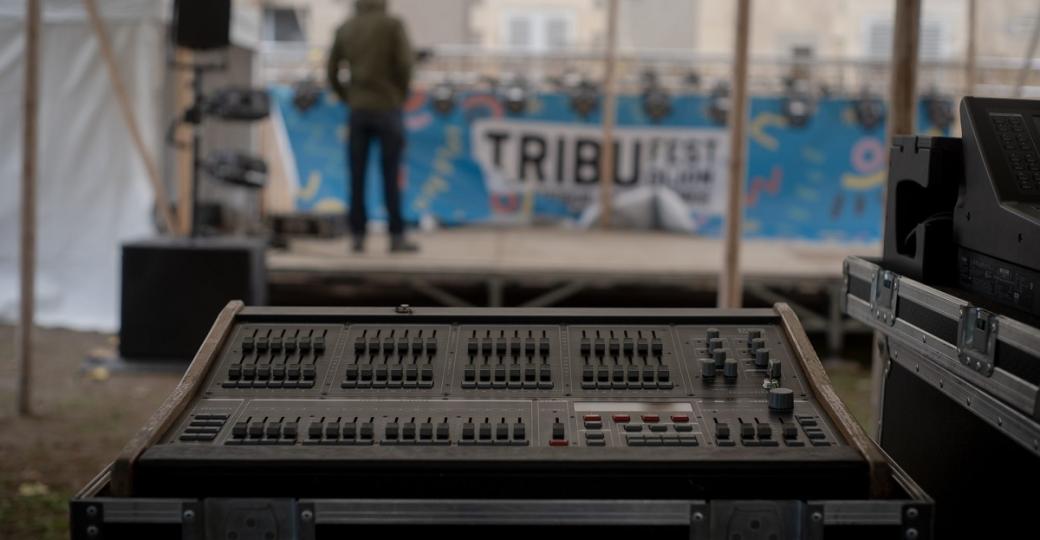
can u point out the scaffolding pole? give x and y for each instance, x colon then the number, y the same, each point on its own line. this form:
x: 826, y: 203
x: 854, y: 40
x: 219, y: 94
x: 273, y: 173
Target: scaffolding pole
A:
x: 730, y: 284
x: 606, y: 166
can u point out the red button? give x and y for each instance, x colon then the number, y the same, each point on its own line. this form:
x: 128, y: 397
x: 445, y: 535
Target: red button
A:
x: 558, y: 442
x: 680, y: 418
x: 651, y: 418
x: 622, y: 418
x: 593, y: 418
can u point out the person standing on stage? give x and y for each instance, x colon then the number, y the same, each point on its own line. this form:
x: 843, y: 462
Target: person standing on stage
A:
x: 374, y: 46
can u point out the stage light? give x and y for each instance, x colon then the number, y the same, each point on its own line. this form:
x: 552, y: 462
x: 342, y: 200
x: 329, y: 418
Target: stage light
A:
x: 798, y: 105
x: 443, y: 98
x: 241, y: 104
x: 939, y: 109
x: 236, y: 168
x: 306, y: 94
x: 657, y: 102
x: 869, y: 109
x: 692, y: 81
x: 718, y: 103
x: 584, y: 98
x: 514, y: 95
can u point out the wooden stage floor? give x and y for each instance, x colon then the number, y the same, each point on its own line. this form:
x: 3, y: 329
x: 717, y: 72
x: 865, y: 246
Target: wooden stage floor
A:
x: 549, y: 255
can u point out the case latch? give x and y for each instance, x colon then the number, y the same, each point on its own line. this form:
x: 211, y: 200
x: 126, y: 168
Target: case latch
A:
x: 884, y: 296
x: 977, y: 339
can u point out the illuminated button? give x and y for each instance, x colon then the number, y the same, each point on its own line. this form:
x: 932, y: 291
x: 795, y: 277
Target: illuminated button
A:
x: 621, y: 418
x: 558, y: 442
x: 651, y: 418
x: 680, y: 418
x: 592, y: 418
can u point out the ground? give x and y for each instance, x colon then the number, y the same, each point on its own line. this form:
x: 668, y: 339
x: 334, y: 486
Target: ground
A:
x: 83, y: 415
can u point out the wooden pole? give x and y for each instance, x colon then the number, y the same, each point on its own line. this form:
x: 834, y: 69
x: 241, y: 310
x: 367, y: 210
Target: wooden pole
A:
x: 161, y: 198
x: 970, y: 53
x: 27, y: 255
x: 606, y: 164
x: 903, y: 83
x: 183, y: 96
x: 1027, y: 62
x: 730, y: 284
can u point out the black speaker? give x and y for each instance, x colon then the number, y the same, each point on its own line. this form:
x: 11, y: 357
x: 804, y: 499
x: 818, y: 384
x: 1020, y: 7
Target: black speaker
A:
x: 202, y: 24
x: 174, y: 288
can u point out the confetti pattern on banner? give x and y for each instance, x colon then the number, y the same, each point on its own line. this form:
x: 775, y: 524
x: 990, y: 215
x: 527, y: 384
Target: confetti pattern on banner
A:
x: 822, y: 181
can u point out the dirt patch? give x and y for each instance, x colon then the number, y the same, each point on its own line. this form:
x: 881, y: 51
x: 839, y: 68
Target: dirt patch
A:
x: 81, y: 419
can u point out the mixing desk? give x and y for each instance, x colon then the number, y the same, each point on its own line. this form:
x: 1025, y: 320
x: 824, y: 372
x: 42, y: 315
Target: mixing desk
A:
x: 424, y: 402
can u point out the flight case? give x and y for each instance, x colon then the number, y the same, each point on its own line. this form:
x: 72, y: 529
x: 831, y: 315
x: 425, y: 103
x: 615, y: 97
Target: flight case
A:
x: 959, y: 409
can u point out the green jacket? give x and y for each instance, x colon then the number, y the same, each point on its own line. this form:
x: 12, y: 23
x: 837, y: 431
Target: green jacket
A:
x: 374, y: 46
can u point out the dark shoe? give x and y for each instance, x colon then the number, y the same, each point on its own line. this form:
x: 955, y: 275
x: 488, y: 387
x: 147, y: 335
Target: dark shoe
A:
x: 358, y: 245
x: 398, y: 244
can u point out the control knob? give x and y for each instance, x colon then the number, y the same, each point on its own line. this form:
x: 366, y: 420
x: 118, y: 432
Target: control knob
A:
x: 720, y: 357
x: 774, y: 368
x: 781, y: 400
x: 707, y: 368
x: 730, y: 368
x: 761, y: 358
x: 713, y: 333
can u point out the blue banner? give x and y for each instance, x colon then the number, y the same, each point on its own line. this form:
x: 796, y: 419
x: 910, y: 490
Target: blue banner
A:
x: 478, y: 163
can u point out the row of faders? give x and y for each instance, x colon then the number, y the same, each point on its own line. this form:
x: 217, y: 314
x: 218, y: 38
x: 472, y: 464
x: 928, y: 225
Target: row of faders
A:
x: 389, y: 358
x: 507, y: 361
x: 277, y: 358
x: 623, y: 359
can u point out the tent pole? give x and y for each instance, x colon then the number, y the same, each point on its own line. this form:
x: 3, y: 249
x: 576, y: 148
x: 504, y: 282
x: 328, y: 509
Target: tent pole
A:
x: 730, y: 284
x: 970, y: 55
x: 606, y: 164
x: 161, y: 198
x: 903, y: 82
x: 27, y: 255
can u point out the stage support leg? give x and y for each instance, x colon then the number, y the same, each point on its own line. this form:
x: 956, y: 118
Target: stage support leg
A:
x: 730, y: 283
x: 1027, y: 62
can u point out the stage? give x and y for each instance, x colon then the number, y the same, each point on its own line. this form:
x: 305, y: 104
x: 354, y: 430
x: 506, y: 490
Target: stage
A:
x: 563, y: 262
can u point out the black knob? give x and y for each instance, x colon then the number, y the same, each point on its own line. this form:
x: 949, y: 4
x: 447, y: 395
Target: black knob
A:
x: 781, y: 400
x: 757, y: 343
x: 715, y: 344
x: 730, y: 368
x: 761, y: 358
x: 707, y: 368
x: 753, y: 335
x: 774, y: 368
x: 713, y: 333
x: 720, y: 357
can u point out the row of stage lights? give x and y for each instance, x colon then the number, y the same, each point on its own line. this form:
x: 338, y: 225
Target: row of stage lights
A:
x: 798, y: 103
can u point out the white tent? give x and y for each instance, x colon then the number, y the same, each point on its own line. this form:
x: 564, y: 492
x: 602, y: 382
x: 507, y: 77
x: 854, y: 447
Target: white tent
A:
x: 92, y: 188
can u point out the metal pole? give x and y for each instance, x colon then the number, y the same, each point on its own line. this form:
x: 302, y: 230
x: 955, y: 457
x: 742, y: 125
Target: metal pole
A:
x: 730, y: 284
x: 606, y: 164
x: 903, y: 84
x: 1027, y: 62
x: 27, y: 255
x: 970, y: 52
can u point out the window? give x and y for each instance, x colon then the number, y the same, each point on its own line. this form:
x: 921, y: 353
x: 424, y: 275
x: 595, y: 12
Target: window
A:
x: 520, y: 32
x: 539, y: 30
x: 879, y: 40
x: 284, y: 25
x: 557, y: 33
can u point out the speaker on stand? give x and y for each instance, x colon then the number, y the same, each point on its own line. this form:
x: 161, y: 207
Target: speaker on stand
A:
x: 173, y: 287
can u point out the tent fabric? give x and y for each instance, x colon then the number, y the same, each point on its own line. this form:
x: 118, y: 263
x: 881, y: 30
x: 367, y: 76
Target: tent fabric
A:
x: 92, y: 188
